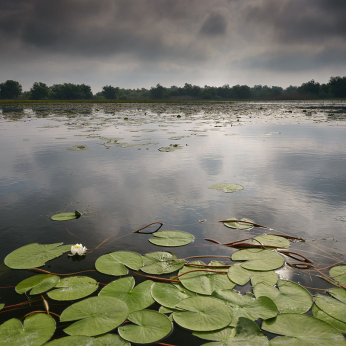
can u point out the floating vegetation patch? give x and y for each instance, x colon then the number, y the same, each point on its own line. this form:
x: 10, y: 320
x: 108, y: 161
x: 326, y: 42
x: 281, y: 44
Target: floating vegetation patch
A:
x: 78, y: 147
x: 66, y: 216
x: 227, y: 187
x: 172, y: 147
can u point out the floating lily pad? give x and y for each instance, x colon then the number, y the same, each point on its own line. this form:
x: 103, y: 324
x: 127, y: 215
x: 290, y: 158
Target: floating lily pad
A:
x: 35, y: 331
x: 96, y: 315
x: 114, y: 263
x: 289, y: 298
x: 167, y: 294
x: 238, y: 225
x: 202, y: 314
x: 149, y: 326
x: 172, y: 147
x: 259, y: 259
x: 321, y: 315
x: 76, y: 340
x: 333, y: 307
x: 78, y: 147
x: 205, y: 282
x: 338, y: 273
x: 246, y: 306
x: 66, y: 216
x: 161, y: 263
x: 112, y: 340
x: 136, y: 298
x: 338, y: 293
x: 272, y: 240
x: 172, y: 238
x: 246, y: 333
x: 241, y: 276
x: 34, y: 255
x: 302, y: 330
x: 74, y: 287
x: 227, y: 187
x: 37, y: 284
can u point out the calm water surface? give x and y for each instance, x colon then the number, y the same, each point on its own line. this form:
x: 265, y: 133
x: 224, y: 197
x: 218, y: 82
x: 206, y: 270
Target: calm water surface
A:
x: 290, y: 158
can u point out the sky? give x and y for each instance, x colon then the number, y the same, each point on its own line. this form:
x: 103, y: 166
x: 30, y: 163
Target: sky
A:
x: 139, y: 43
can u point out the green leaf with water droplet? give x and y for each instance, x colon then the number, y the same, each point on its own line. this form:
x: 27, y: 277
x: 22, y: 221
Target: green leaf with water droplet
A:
x: 161, y: 263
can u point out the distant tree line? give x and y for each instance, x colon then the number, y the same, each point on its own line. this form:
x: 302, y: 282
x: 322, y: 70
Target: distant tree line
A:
x: 335, y: 88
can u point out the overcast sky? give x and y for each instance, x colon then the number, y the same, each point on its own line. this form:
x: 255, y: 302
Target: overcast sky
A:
x: 139, y: 43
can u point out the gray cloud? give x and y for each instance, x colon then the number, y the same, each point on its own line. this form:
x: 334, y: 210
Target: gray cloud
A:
x: 215, y: 25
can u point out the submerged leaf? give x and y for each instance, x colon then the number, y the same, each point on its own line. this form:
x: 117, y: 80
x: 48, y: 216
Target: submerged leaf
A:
x: 202, y: 314
x: 34, y: 255
x: 161, y: 263
x: 96, y: 315
x: 239, y: 225
x: 149, y: 326
x: 37, y: 284
x: 35, y: 331
x: 114, y: 263
x: 172, y: 238
x: 74, y: 287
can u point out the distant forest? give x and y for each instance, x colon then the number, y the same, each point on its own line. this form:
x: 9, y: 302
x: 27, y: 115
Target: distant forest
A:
x: 335, y: 88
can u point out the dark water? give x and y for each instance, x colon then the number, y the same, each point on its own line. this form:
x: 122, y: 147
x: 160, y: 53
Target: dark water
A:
x: 290, y: 158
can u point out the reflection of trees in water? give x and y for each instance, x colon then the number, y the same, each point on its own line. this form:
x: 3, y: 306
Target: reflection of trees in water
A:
x: 41, y: 111
x: 12, y: 112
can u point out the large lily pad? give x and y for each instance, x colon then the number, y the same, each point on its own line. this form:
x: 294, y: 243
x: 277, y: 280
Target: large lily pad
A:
x: 289, y: 298
x: 259, y: 259
x: 37, y: 284
x: 66, y: 216
x: 227, y: 187
x: 202, y: 314
x: 272, y: 240
x: 149, y: 326
x: 172, y: 238
x: 34, y: 255
x: 332, y: 307
x: 74, y: 287
x: 246, y: 306
x: 115, y: 263
x: 321, y: 315
x: 338, y: 293
x: 241, y: 276
x: 246, y: 333
x: 161, y: 263
x: 205, y: 282
x: 302, y: 330
x: 96, y: 315
x: 338, y: 273
x: 136, y: 298
x: 75, y: 340
x: 238, y: 225
x: 112, y: 340
x: 35, y: 331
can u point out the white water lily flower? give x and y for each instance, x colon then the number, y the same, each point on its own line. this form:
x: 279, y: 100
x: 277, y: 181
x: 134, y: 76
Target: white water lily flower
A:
x: 78, y: 249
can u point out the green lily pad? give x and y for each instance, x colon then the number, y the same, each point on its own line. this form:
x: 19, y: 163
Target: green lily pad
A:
x: 34, y: 255
x: 259, y: 259
x: 74, y: 287
x: 96, y: 315
x: 246, y: 306
x: 78, y: 147
x: 205, y: 282
x: 338, y: 273
x: 172, y: 238
x: 112, y: 340
x: 241, y: 276
x: 1, y: 306
x: 333, y: 307
x: 137, y: 298
x: 115, y: 263
x: 338, y: 293
x: 272, y: 240
x: 149, y: 326
x: 246, y: 333
x: 289, y: 298
x: 302, y: 330
x: 35, y: 331
x: 161, y: 263
x: 238, y: 225
x: 321, y: 315
x: 167, y: 295
x: 66, y: 216
x: 75, y: 340
x: 202, y: 314
x: 227, y: 187
x: 37, y: 284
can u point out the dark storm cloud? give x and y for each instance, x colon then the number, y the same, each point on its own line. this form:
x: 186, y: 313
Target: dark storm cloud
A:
x: 215, y: 25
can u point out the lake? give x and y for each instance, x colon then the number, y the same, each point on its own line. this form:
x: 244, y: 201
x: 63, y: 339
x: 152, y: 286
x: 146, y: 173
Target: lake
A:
x: 124, y: 166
